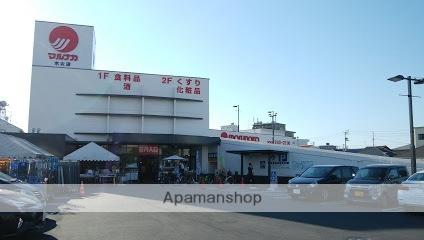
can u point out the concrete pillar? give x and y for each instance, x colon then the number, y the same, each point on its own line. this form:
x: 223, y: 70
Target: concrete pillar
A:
x: 204, y: 159
x: 241, y: 167
x: 219, y: 158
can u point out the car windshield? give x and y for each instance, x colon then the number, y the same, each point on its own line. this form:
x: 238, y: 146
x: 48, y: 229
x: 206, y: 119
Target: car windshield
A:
x: 316, y: 172
x: 6, y: 177
x: 371, y: 173
x: 417, y: 177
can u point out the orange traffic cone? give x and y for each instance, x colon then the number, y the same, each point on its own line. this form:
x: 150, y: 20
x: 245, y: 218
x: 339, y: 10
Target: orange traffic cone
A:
x: 81, y: 190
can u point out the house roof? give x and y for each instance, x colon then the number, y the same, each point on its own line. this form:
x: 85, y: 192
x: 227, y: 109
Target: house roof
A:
x: 405, y: 147
x: 91, y: 152
x: 376, y: 150
x: 14, y: 147
x: 419, y: 151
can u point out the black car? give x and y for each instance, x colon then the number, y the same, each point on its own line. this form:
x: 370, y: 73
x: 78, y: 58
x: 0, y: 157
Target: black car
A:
x: 312, y: 183
x: 10, y: 221
x: 19, y: 212
x: 376, y: 184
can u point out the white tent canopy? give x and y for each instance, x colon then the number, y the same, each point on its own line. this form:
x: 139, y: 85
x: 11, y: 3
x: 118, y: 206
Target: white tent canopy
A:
x: 14, y: 147
x: 91, y: 152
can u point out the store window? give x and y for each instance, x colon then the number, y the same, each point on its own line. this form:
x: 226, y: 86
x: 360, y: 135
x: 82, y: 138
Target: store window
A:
x: 421, y: 136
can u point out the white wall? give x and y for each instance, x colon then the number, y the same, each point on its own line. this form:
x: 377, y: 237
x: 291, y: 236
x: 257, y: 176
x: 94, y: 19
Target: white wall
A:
x: 53, y: 104
x: 299, y: 158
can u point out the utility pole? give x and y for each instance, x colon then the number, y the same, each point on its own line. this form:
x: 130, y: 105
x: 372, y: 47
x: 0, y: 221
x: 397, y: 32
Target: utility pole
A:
x: 238, y: 117
x: 346, y: 139
x: 411, y: 128
x: 373, y: 139
x: 273, y: 115
x: 409, y: 80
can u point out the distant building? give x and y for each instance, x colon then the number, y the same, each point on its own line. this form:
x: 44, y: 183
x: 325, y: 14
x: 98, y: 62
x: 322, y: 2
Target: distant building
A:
x: 266, y: 128
x: 262, y: 133
x: 231, y: 128
x: 328, y: 146
x: 406, y: 153
x: 5, y: 126
x: 419, y: 136
x: 418, y: 139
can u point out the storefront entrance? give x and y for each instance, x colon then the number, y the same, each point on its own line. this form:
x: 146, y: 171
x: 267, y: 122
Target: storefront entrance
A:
x: 141, y: 163
x: 148, y: 169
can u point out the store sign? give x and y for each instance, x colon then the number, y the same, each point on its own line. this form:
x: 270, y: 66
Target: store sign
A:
x: 239, y: 137
x: 281, y: 142
x: 184, y: 85
x: 63, y: 45
x: 126, y: 79
x: 280, y: 161
x: 148, y: 150
x: 63, y: 40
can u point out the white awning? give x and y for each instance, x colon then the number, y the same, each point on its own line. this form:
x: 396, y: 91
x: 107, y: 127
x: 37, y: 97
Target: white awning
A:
x: 91, y: 152
x: 14, y: 147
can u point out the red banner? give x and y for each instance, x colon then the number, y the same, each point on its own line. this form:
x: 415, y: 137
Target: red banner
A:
x: 145, y: 150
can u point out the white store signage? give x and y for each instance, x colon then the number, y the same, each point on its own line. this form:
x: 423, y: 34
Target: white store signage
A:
x: 63, y: 45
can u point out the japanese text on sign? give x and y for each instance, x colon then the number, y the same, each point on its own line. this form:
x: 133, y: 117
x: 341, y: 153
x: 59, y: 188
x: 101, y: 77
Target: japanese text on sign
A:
x: 187, y: 86
x: 125, y: 78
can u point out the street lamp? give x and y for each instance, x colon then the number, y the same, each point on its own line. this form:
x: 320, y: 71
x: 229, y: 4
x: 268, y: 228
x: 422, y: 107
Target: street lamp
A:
x: 238, y: 117
x: 411, y: 118
x: 273, y: 115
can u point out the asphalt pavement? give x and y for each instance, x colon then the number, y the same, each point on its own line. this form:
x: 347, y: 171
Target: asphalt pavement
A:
x: 225, y: 225
x: 349, y: 226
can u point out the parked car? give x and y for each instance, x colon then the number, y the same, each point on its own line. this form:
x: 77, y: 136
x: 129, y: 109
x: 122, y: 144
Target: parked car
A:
x: 19, y: 212
x: 411, y: 193
x: 376, y: 184
x: 309, y: 184
x: 23, y: 187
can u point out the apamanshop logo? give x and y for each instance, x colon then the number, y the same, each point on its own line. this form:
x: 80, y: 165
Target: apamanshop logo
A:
x: 63, y: 39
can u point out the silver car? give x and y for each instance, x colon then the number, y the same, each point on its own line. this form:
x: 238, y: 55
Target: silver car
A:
x: 411, y: 192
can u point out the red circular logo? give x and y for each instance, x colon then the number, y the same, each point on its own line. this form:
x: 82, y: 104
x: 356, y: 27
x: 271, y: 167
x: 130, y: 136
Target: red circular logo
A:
x: 63, y: 39
x: 224, y: 135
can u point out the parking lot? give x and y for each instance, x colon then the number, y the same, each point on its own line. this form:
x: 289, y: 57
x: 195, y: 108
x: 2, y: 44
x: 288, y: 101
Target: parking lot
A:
x: 106, y: 226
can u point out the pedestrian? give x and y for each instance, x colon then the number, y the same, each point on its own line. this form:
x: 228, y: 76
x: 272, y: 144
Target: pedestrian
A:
x: 181, y: 168
x: 250, y: 177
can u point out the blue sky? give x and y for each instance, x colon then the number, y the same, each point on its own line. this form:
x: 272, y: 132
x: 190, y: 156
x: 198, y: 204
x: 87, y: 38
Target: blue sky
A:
x: 321, y: 65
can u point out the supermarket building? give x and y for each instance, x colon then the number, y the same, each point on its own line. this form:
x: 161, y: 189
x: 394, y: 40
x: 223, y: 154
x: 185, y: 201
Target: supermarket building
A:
x: 139, y: 116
